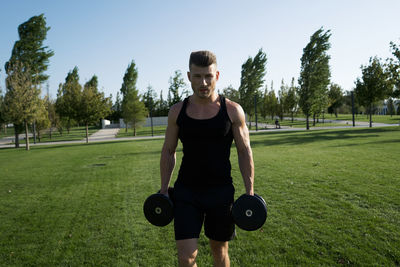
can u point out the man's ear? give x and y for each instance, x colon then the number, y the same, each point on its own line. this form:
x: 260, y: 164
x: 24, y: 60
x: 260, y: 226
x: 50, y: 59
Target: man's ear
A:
x: 188, y: 74
x: 217, y: 75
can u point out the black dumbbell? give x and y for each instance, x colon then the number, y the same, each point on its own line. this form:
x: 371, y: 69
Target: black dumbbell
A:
x: 249, y: 212
x: 159, y: 209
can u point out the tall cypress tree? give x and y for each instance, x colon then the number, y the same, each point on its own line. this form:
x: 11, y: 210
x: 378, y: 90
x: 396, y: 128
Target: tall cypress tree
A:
x: 252, y: 79
x: 314, y: 74
x: 28, y: 62
x: 133, y: 110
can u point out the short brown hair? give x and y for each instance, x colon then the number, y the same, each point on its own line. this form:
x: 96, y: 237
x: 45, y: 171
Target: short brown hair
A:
x: 202, y: 58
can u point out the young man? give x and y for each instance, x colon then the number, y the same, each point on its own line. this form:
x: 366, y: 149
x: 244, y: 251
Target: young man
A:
x: 206, y: 123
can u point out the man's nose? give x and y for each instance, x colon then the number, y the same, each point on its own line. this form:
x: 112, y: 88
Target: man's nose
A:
x: 203, y: 81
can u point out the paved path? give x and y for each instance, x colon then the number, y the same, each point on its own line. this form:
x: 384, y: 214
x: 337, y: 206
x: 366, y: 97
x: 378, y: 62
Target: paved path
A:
x: 108, y: 135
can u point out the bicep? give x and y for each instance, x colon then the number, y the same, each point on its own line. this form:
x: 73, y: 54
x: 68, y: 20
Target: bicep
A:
x: 240, y: 131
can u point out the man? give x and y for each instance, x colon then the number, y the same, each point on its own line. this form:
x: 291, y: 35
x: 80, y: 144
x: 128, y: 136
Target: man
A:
x: 206, y: 123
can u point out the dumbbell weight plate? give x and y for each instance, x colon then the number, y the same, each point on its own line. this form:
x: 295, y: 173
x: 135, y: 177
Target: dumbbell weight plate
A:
x: 158, y: 209
x: 249, y: 212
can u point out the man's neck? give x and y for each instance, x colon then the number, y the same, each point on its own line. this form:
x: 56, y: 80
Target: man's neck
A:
x: 204, y: 101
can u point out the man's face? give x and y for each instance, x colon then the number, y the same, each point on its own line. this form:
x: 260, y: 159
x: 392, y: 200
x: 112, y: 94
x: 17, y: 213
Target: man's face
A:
x: 203, y: 80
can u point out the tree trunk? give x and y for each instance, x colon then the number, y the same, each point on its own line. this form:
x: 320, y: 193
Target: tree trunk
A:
x: 370, y: 115
x: 308, y: 122
x: 16, y: 132
x: 68, y: 125
x: 292, y: 117
x: 313, y: 120
x: 26, y: 135
x: 87, y: 133
x: 50, y: 132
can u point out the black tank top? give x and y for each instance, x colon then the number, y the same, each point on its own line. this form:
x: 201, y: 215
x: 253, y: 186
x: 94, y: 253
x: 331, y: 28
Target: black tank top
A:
x: 206, y: 148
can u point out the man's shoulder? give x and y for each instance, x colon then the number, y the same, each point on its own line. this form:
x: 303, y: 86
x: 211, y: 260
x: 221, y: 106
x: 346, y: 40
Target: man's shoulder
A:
x: 174, y: 110
x: 235, y: 111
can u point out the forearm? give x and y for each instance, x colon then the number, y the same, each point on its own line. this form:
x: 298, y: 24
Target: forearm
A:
x: 246, y: 166
x: 167, y: 165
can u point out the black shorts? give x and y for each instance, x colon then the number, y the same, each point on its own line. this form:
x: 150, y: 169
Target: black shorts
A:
x: 212, y: 206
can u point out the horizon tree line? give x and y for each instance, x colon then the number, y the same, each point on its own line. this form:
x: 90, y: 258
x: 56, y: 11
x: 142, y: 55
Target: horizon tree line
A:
x: 85, y: 104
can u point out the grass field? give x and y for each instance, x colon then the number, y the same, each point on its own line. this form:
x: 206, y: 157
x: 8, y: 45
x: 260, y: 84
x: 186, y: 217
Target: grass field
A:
x: 333, y: 199
x: 142, y: 131
x: 76, y: 133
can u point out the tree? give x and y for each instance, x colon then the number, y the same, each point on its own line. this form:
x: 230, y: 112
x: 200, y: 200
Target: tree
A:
x: 116, y: 110
x: 231, y: 93
x: 29, y: 50
x: 374, y: 85
x: 271, y: 102
x: 314, y: 74
x: 42, y: 121
x: 93, y: 105
x: 68, y: 98
x: 335, y: 96
x: 283, y: 100
x: 133, y: 110
x: 162, y: 106
x: 28, y: 58
x: 390, y: 107
x: 3, y: 122
x: 176, y: 83
x: 394, y: 69
x: 251, y: 80
x: 292, y: 100
x: 22, y: 102
x: 149, y: 99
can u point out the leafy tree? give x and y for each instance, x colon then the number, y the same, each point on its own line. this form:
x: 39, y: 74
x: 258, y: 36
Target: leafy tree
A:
x: 162, y: 106
x: 133, y: 110
x: 263, y: 106
x: 292, y: 100
x: 93, y: 105
x: 3, y: 122
x: 22, y: 101
x: 68, y: 98
x: 150, y: 99
x: 335, y: 96
x: 53, y: 117
x: 390, y: 107
x: 271, y: 102
x: 314, y: 74
x: 394, y: 69
x: 29, y: 50
x: 283, y: 100
x: 231, y: 93
x: 176, y: 83
x: 116, y: 110
x: 42, y: 121
x: 251, y: 80
x: 28, y: 58
x: 373, y: 86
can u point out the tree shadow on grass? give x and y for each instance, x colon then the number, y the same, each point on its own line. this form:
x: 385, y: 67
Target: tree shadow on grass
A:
x: 302, y: 137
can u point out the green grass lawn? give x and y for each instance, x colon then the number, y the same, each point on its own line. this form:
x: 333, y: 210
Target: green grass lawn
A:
x: 142, y: 131
x: 395, y: 119
x: 76, y: 133
x: 333, y: 198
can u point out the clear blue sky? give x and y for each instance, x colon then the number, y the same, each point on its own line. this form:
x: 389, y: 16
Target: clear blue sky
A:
x: 102, y: 37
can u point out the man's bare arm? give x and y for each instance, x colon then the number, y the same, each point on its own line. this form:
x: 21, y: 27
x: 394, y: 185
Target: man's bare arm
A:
x: 242, y: 142
x: 168, y: 154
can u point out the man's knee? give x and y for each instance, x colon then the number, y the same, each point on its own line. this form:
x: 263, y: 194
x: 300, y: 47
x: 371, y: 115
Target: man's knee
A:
x: 187, y: 259
x: 187, y: 252
x: 219, y: 250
